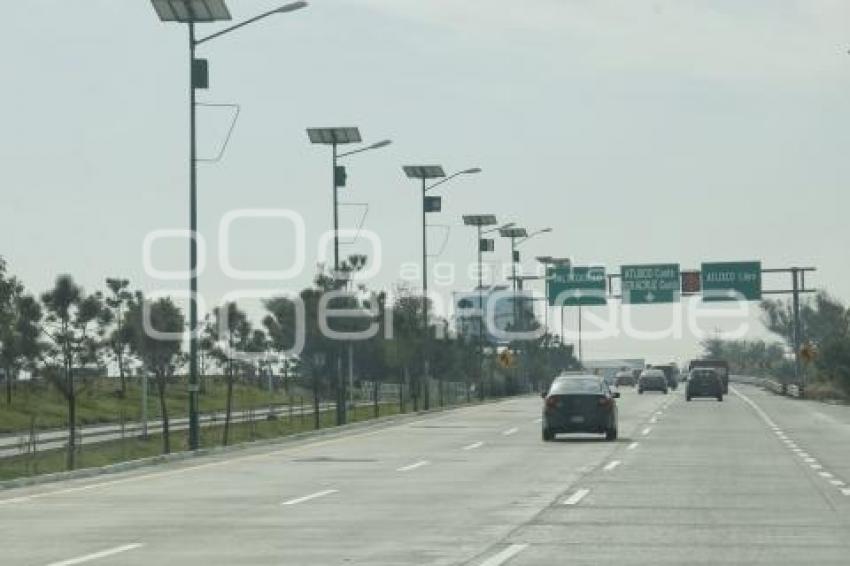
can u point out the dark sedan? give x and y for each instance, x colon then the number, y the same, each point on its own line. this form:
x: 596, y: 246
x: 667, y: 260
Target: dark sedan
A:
x: 625, y: 378
x: 653, y: 380
x: 704, y: 383
x: 580, y: 403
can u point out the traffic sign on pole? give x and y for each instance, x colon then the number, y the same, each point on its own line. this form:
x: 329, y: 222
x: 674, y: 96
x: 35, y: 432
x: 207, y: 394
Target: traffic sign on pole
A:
x: 731, y: 281
x: 650, y: 284
x: 576, y: 286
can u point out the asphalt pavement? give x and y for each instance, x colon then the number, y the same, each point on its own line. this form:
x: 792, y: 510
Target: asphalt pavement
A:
x: 756, y: 479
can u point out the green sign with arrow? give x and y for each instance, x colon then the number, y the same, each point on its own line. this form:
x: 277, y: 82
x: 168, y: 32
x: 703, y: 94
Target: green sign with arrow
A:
x: 650, y: 284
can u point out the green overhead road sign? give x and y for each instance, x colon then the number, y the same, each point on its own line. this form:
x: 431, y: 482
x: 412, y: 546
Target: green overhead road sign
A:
x: 577, y: 286
x: 650, y: 284
x: 731, y: 281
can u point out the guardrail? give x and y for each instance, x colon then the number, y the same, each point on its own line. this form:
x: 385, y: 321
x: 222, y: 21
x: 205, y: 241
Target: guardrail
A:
x: 777, y: 387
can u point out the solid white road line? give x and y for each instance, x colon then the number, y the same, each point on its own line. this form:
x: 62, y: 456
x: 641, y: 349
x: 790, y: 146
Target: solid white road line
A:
x: 505, y: 555
x: 510, y: 431
x: 473, y: 446
x: 418, y: 464
x: 611, y: 465
x: 646, y: 431
x: 309, y: 497
x: 97, y: 555
x: 576, y: 497
x: 632, y: 446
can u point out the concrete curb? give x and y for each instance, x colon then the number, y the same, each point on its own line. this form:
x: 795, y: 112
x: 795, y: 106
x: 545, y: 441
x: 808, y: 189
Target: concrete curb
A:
x: 130, y: 465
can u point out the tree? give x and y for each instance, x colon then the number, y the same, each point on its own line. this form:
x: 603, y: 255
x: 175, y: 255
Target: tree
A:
x: 118, y: 339
x: 20, y: 317
x: 232, y: 333
x: 72, y: 318
x: 155, y: 331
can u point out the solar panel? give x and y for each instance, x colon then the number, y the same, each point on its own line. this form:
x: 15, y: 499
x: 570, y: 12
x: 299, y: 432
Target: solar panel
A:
x: 424, y: 171
x: 185, y: 11
x: 337, y: 136
x: 479, y: 220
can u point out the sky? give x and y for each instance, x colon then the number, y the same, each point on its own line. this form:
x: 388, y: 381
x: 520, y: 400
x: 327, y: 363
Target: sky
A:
x: 639, y: 131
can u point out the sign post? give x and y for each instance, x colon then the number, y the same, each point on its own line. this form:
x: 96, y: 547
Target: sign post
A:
x: 650, y: 284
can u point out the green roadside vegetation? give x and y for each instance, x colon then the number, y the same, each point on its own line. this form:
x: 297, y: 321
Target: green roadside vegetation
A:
x: 824, y: 347
x: 106, y: 453
x: 42, y: 406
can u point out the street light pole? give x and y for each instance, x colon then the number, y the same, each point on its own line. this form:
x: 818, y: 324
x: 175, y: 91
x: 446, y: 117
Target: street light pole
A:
x: 424, y: 173
x: 426, y: 337
x: 480, y: 318
x: 190, y: 13
x: 335, y: 137
x: 194, y: 378
x: 336, y: 209
x: 480, y: 221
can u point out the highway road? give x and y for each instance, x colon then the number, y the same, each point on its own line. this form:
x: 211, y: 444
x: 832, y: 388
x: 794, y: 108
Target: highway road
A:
x: 757, y: 479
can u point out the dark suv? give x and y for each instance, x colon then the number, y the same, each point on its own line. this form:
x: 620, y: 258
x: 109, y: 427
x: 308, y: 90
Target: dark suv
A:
x: 704, y: 382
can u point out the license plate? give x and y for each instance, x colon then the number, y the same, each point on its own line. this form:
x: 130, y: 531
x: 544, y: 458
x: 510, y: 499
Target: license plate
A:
x: 577, y: 419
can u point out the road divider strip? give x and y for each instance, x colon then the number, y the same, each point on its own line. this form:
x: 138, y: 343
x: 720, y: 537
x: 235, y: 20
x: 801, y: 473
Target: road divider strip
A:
x: 97, y: 555
x: 576, y: 497
x: 505, y: 555
x: 310, y: 497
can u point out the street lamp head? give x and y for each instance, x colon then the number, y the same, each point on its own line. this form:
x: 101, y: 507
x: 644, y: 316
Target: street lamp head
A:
x: 473, y: 171
x: 380, y: 144
x: 291, y: 7
x: 546, y: 230
x: 513, y: 232
x: 191, y: 11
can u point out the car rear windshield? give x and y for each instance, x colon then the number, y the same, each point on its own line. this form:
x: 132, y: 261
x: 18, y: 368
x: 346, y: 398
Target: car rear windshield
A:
x: 577, y: 385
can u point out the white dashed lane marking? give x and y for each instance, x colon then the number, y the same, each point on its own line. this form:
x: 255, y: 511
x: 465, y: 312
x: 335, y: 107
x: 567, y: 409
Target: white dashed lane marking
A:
x: 576, y: 497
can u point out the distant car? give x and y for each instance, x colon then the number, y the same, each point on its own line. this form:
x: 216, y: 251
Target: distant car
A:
x: 704, y: 382
x: 652, y: 380
x: 625, y: 378
x: 580, y: 403
x: 671, y: 373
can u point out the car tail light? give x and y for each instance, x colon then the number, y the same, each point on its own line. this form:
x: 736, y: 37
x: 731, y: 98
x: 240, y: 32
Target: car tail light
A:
x: 606, y: 401
x: 552, y: 401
